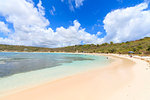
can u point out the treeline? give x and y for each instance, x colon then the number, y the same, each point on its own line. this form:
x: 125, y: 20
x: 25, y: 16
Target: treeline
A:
x: 16, y: 48
x: 141, y: 46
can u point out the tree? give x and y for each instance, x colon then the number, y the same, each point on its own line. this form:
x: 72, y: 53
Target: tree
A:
x: 148, y: 49
x: 104, y: 44
x: 113, y: 50
x: 111, y: 43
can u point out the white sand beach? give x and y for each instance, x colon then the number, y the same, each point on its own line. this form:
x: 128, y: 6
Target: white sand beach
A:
x: 124, y: 79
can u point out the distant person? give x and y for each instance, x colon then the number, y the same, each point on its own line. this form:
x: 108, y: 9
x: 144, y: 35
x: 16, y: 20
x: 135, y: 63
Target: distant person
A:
x: 130, y: 56
x: 119, y: 53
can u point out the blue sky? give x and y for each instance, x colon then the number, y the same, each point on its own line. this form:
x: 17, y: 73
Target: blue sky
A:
x: 57, y: 23
x: 90, y: 15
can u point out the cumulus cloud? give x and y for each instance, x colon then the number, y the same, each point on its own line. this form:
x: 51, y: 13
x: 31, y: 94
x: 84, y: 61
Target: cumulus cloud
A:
x: 127, y: 24
x: 31, y: 27
x: 77, y: 3
x: 4, y: 28
x: 41, y: 8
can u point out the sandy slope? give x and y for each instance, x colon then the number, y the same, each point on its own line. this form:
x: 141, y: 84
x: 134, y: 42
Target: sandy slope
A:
x: 124, y: 79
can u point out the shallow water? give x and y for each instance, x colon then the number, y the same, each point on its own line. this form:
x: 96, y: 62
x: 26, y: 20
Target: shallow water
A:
x: 24, y: 69
x: 14, y: 63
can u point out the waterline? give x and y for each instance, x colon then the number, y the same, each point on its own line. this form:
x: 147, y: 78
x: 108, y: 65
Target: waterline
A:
x: 79, y: 64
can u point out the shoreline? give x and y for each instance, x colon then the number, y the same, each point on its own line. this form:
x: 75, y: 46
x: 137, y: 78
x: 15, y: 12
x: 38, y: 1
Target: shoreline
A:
x: 49, y: 75
x: 105, y: 82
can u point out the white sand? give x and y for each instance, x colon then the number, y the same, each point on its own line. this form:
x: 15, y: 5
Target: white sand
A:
x: 125, y: 79
x: 139, y: 88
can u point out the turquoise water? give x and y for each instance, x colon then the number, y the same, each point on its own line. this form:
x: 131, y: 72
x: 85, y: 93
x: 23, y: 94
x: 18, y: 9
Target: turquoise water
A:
x: 25, y: 69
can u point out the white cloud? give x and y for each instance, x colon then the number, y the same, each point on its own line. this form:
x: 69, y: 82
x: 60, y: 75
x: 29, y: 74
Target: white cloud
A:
x: 4, y: 28
x: 22, y: 14
x: 41, y: 8
x: 127, y: 24
x: 52, y: 11
x: 77, y: 3
x: 99, y: 33
x: 30, y: 27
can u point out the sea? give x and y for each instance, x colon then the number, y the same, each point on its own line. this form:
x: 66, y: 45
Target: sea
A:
x: 18, y: 70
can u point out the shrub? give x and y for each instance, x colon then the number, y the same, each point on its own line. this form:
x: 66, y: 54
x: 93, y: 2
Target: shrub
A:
x: 148, y: 49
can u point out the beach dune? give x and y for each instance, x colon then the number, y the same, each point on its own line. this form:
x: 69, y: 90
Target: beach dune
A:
x: 118, y: 81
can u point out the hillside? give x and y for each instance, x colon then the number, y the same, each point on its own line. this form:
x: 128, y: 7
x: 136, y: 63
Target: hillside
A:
x: 141, y: 46
x: 13, y: 48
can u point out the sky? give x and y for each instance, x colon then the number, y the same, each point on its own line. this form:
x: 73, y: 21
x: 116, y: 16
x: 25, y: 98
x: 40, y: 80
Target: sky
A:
x: 59, y: 23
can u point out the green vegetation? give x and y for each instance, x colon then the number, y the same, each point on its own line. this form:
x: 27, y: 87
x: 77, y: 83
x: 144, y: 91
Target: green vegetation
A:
x: 141, y: 46
x: 13, y: 48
